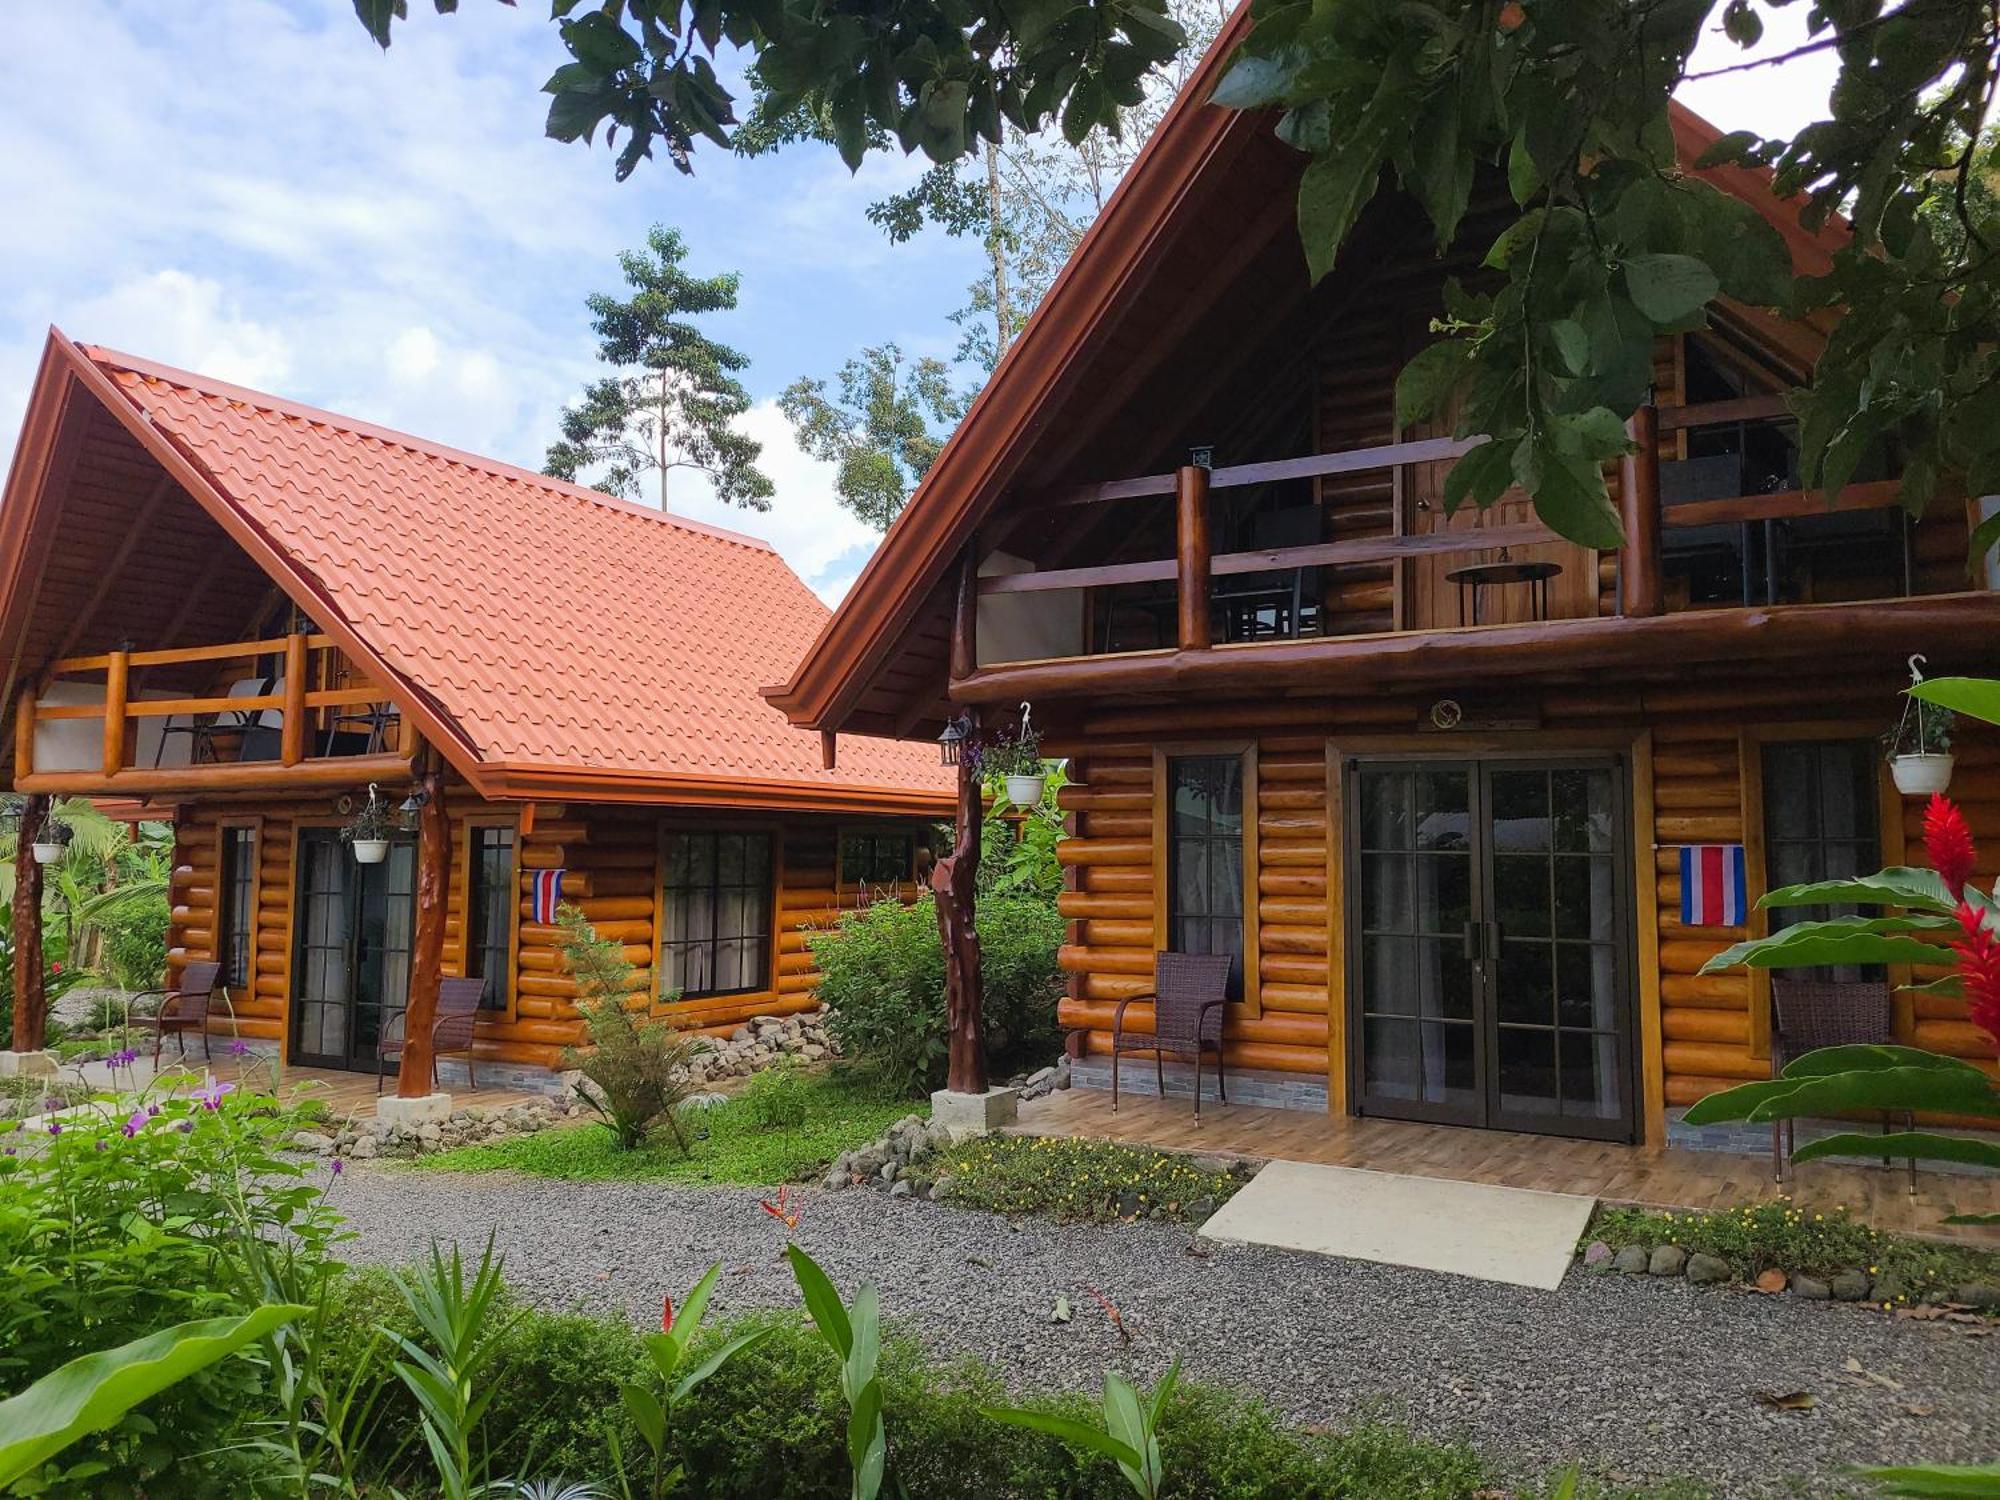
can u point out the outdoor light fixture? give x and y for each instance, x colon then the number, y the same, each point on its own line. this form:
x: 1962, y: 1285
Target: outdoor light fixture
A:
x: 952, y: 741
x: 414, y: 803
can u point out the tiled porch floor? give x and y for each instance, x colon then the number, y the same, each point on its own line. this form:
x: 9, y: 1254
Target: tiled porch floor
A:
x: 1655, y: 1178
x: 347, y: 1095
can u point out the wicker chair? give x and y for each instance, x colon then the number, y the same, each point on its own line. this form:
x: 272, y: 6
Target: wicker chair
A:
x: 1808, y: 1014
x: 184, y: 1008
x: 1190, y: 991
x: 451, y: 1031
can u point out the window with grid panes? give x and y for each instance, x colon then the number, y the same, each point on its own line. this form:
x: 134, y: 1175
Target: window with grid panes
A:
x: 715, y: 913
x: 1205, y: 858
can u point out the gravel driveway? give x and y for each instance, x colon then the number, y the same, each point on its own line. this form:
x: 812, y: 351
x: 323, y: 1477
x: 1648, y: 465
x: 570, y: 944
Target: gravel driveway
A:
x: 1634, y: 1378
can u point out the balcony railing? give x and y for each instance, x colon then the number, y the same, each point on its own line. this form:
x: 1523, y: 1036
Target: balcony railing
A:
x: 90, y: 725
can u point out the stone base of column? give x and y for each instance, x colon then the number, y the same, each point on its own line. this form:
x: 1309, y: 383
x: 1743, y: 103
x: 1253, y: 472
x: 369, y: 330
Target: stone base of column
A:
x: 974, y: 1114
x: 425, y: 1109
x: 27, y: 1065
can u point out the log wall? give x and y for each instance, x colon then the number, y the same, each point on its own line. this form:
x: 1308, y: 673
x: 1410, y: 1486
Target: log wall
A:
x: 611, y: 864
x: 1704, y: 786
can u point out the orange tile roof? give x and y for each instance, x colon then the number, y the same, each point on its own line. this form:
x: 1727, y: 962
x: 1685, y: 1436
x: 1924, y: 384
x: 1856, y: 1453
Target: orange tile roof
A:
x: 563, y: 634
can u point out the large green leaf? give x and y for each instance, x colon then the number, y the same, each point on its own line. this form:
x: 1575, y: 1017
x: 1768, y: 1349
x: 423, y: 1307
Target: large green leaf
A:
x: 821, y: 1300
x: 1907, y: 1078
x: 1940, y: 1481
x: 1841, y: 940
x: 1666, y: 288
x: 1861, y: 1056
x: 1332, y: 192
x: 1975, y: 697
x: 94, y: 1391
x: 1899, y: 885
x: 1923, y: 1145
x: 1427, y: 379
x: 1076, y: 1434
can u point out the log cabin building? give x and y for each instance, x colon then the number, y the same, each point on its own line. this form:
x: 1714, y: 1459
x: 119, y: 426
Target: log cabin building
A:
x: 240, y: 614
x: 1428, y: 777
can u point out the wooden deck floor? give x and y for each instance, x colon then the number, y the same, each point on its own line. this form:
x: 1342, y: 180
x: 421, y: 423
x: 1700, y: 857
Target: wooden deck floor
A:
x: 347, y: 1095
x: 1654, y: 1178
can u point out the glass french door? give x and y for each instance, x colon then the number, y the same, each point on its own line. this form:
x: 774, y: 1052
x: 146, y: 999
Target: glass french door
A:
x: 1488, y: 963
x: 351, y: 959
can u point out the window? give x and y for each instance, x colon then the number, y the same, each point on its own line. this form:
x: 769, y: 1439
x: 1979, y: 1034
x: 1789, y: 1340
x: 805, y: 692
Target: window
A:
x: 715, y: 913
x: 1820, y: 823
x: 877, y: 858
x: 491, y: 895
x: 236, y: 935
x: 1205, y: 857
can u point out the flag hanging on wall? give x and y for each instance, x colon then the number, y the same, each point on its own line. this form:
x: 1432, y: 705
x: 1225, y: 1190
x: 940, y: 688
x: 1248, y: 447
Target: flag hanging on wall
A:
x: 1713, y: 887
x: 545, y: 895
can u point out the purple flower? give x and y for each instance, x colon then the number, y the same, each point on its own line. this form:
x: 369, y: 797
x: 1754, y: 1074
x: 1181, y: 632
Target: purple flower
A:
x: 12, y: 1152
x: 137, y: 1123
x: 50, y: 1101
x: 151, y: 1110
x: 55, y: 1127
x: 239, y: 1048
x: 211, y: 1097
x: 101, y: 1144
x: 338, y: 1166
x: 185, y: 1127
x: 123, y: 1059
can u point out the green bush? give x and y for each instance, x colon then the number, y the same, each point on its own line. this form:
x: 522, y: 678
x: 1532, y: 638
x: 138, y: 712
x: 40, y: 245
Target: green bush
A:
x: 135, y: 943
x: 778, y: 1097
x: 882, y: 980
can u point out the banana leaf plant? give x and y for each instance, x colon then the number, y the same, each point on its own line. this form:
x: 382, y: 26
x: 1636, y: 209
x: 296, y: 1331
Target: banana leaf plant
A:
x: 1936, y: 917
x: 1130, y: 1436
x: 854, y: 1334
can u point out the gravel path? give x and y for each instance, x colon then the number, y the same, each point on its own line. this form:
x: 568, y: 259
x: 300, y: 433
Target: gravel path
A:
x: 1634, y: 1378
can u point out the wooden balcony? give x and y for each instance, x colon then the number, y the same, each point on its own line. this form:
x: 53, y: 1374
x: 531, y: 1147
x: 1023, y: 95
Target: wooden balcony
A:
x: 294, y: 714
x: 1416, y: 576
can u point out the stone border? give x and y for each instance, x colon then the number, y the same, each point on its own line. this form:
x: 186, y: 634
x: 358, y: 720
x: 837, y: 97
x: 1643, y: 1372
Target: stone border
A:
x: 1855, y: 1284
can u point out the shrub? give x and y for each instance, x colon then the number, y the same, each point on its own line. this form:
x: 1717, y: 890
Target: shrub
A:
x: 637, y: 1063
x: 135, y: 943
x: 1069, y: 1179
x: 778, y: 1097
x: 882, y: 979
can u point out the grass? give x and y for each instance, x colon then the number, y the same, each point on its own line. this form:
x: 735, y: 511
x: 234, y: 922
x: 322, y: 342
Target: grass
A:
x: 734, y: 1147
x: 1070, y: 1179
x: 1778, y: 1234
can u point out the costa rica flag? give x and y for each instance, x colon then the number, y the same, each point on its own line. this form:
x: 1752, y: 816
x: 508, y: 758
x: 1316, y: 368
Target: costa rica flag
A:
x: 1714, y: 888
x: 545, y: 895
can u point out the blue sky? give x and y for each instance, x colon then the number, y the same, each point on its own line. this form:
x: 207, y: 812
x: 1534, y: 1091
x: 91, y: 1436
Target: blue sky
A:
x: 249, y: 188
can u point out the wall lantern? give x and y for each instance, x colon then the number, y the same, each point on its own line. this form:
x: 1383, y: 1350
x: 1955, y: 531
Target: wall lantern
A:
x: 951, y: 743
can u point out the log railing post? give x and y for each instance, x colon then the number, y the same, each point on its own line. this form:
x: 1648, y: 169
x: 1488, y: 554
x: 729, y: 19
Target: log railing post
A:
x: 30, y: 997
x: 117, y: 678
x: 292, y: 733
x: 413, y: 1074
x: 1191, y: 555
x: 1639, y: 500
x: 954, y: 880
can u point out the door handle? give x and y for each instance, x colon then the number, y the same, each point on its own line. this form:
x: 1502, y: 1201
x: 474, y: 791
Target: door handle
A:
x: 1472, y: 941
x: 1492, y: 939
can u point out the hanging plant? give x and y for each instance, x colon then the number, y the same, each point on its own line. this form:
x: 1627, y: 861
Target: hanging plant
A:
x: 1015, y: 755
x: 50, y: 840
x: 368, y: 832
x: 1920, y: 759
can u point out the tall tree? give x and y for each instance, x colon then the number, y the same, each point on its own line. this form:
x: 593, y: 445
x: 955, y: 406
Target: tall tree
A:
x: 1613, y: 242
x: 876, y: 429
x: 675, y: 399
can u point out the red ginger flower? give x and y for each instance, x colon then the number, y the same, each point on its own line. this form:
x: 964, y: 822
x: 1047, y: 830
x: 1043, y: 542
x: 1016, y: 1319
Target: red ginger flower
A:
x: 1948, y: 842
x: 1979, y: 966
x: 666, y: 1315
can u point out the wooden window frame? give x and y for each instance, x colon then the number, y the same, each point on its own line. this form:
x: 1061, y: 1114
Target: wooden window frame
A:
x: 842, y: 832
x: 254, y: 823
x: 1251, y: 1005
x: 1750, y: 742
x: 669, y: 828
x: 461, y: 908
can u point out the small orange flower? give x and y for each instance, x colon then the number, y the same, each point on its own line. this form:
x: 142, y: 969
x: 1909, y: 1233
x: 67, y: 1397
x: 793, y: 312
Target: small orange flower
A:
x: 782, y: 1210
x: 1511, y: 16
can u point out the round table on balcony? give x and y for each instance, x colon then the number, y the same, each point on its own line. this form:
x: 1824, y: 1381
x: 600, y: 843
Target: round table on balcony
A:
x: 1474, y: 577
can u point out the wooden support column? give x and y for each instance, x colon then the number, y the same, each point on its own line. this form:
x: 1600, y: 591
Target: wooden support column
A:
x: 30, y: 998
x: 1639, y: 500
x: 24, y: 733
x: 954, y: 879
x: 965, y: 614
x: 292, y: 733
x: 1191, y: 555
x: 413, y: 1077
x: 117, y: 675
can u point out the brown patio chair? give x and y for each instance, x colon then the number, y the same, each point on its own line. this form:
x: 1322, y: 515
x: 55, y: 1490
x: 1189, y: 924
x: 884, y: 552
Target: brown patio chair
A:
x: 1807, y: 1014
x: 451, y: 1031
x: 1189, y: 992
x: 184, y: 1007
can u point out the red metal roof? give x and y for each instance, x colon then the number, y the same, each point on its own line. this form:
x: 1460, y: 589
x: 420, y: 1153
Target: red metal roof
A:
x: 571, y: 643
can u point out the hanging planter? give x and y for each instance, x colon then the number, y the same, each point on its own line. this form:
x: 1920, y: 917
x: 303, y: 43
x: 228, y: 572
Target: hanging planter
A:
x: 1015, y: 756
x: 367, y: 833
x: 1920, y: 759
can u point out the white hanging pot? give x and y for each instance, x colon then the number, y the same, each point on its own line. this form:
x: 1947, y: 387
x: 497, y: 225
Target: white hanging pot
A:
x: 1921, y: 775
x: 1025, y: 791
x: 370, y: 851
x: 48, y: 852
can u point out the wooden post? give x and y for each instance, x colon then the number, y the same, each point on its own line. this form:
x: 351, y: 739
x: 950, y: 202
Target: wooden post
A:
x: 24, y: 732
x: 1191, y: 555
x: 1639, y: 499
x: 292, y: 733
x: 30, y: 998
x: 116, y: 677
x: 413, y: 1076
x: 829, y: 750
x: 954, y: 880
x: 965, y: 614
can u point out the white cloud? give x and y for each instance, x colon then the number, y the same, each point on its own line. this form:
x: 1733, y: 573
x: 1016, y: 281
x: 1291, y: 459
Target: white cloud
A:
x: 182, y: 319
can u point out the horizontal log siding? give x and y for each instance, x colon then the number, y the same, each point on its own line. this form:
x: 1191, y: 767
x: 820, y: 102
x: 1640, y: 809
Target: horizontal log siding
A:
x: 1698, y: 797
x: 610, y: 859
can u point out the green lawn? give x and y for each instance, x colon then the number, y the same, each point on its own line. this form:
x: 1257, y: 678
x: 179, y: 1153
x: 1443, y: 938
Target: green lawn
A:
x: 735, y: 1149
